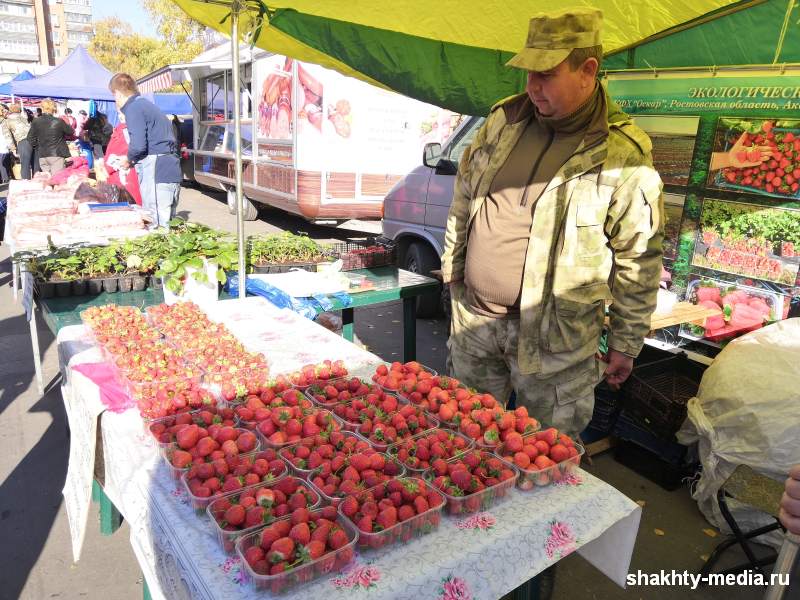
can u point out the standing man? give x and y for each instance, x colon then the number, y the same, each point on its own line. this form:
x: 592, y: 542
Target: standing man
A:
x: 152, y: 150
x: 48, y: 135
x: 18, y: 127
x: 556, y: 210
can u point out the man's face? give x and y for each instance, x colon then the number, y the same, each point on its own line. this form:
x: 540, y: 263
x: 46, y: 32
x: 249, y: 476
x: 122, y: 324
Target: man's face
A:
x: 560, y: 91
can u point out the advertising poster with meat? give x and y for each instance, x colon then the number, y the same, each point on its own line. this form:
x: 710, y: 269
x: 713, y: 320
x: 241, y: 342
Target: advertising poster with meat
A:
x: 273, y: 98
x: 736, y: 243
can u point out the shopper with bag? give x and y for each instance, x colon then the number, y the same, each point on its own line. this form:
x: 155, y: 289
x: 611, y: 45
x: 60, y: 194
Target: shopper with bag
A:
x: 111, y: 169
x: 18, y: 127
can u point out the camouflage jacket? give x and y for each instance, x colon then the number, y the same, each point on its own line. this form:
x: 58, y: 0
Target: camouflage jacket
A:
x: 596, y: 236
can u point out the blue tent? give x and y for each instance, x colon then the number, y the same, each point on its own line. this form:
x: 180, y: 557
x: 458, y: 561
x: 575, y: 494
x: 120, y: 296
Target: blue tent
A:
x: 5, y: 89
x: 79, y: 77
x: 171, y: 104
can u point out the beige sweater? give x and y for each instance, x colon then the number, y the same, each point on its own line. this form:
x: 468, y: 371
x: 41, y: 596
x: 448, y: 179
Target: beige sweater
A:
x: 498, y: 236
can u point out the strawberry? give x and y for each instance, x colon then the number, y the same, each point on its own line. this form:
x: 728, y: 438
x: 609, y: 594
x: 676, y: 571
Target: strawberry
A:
x: 235, y: 515
x: 337, y: 539
x: 300, y: 533
x: 188, y: 437
x: 253, y: 517
x: 313, y: 550
x: 281, y: 550
x: 181, y: 459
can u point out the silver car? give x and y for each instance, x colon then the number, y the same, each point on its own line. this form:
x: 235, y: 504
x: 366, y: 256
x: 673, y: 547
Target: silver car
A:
x: 415, y: 210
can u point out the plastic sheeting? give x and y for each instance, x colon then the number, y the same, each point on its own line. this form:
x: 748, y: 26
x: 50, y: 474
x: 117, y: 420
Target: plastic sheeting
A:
x: 747, y: 411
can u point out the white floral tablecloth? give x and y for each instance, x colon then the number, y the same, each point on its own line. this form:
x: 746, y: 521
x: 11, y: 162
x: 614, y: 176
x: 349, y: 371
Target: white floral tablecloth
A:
x: 479, y: 557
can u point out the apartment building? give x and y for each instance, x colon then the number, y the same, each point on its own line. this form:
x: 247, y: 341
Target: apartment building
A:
x: 42, y: 32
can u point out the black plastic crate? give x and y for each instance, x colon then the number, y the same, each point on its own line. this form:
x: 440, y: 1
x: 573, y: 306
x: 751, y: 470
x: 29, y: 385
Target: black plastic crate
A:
x: 656, y: 394
x: 357, y: 254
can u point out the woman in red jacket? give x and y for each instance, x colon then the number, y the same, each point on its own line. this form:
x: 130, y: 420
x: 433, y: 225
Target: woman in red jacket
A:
x: 116, y: 153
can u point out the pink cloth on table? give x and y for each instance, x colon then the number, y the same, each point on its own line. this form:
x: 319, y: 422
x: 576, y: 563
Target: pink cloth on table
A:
x: 112, y: 395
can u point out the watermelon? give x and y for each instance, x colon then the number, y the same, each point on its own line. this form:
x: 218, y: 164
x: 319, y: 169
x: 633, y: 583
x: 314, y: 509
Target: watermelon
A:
x: 709, y: 293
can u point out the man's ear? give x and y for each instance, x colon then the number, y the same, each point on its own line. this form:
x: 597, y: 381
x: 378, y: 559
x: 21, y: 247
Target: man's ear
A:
x: 590, y: 67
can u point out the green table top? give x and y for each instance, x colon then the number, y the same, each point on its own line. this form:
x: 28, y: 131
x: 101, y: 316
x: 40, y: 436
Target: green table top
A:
x: 389, y: 284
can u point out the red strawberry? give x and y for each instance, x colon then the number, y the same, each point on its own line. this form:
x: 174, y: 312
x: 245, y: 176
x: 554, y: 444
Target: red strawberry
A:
x: 281, y: 550
x: 235, y: 515
x: 365, y: 524
x: 300, y: 533
x: 181, y: 459
x: 254, y: 516
x: 387, y: 517
x: 187, y: 438
x: 349, y: 506
x: 300, y: 515
x: 314, y: 549
x: 421, y: 504
x: 405, y: 512
x: 337, y: 539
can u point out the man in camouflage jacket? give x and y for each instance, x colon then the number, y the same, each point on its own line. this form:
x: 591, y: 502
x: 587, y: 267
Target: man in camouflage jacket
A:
x: 588, y: 231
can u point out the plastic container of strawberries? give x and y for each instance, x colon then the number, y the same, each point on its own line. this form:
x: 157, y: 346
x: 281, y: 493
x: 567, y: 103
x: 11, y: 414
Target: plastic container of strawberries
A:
x: 265, y: 443
x: 287, y: 581
x: 227, y: 539
x: 169, y: 421
x: 178, y: 473
x: 530, y: 478
x: 199, y: 504
x: 394, y: 449
x: 479, y: 501
x: 432, y: 373
x: 433, y: 423
x: 305, y: 473
x: 321, y: 384
x: 336, y: 500
x: 404, y: 531
x: 305, y: 404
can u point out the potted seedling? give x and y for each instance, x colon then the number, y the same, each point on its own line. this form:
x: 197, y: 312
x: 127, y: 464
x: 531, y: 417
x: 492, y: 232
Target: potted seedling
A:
x: 279, y: 253
x: 108, y: 266
x: 196, y: 262
x: 67, y: 269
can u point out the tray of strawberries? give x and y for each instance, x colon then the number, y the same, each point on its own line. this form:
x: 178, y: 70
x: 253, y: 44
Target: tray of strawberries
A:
x: 257, y: 408
x: 297, y: 549
x: 542, y: 458
x: 289, y: 424
x: 165, y: 430
x: 418, y: 452
x: 204, y: 482
x: 473, y: 481
x: 336, y: 391
x: 312, y: 453
x: 197, y: 445
x: 237, y: 514
x: 352, y: 473
x: 402, y: 376
x: 395, y: 511
x: 318, y: 374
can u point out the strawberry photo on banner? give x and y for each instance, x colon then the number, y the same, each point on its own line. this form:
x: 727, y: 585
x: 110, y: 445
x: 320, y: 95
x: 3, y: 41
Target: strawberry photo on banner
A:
x: 761, y: 156
x: 762, y: 242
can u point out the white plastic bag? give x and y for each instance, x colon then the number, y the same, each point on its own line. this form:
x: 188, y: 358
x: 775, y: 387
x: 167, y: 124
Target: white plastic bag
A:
x: 747, y: 411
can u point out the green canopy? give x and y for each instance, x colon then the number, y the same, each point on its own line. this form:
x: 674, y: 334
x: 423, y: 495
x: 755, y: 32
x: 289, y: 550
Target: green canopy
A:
x: 762, y: 34
x: 448, y: 53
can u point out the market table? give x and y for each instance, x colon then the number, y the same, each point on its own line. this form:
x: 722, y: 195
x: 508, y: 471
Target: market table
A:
x: 484, y: 555
x: 388, y: 284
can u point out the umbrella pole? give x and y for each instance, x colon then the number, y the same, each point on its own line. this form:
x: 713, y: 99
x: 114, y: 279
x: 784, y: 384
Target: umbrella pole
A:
x: 237, y: 132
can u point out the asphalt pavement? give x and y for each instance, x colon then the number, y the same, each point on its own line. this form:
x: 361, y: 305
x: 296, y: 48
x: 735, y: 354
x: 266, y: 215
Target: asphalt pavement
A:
x: 35, y: 551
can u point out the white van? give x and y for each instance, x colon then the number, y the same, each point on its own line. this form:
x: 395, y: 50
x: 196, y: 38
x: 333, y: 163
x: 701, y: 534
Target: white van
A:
x: 415, y: 209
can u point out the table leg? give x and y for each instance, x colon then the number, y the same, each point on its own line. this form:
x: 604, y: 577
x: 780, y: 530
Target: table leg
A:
x: 409, y: 329
x: 37, y: 361
x: 347, y: 324
x: 110, y: 519
x: 145, y: 590
x: 15, y: 278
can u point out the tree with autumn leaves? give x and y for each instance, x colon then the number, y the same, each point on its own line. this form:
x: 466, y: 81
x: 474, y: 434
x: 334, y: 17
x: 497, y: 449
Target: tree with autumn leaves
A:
x: 119, y: 48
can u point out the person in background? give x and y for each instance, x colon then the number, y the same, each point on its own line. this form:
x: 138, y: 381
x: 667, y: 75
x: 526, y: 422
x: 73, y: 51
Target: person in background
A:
x: 71, y: 121
x: 110, y: 169
x: 39, y: 111
x: 81, y: 123
x: 18, y: 127
x: 48, y: 134
x: 6, y: 144
x: 98, y: 132
x: 152, y: 150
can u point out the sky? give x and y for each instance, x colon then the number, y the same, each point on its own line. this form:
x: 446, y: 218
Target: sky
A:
x: 131, y: 11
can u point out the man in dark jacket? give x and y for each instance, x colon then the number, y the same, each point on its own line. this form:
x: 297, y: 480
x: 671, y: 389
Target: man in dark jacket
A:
x: 48, y: 135
x: 152, y: 149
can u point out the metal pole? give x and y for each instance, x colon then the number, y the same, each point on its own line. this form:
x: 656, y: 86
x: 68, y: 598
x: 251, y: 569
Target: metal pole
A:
x: 237, y: 132
x: 783, y: 565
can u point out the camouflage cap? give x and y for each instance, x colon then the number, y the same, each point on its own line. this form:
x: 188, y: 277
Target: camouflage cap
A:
x: 552, y: 36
